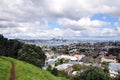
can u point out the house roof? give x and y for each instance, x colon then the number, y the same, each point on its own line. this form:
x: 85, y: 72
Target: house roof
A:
x: 110, y: 57
x: 77, y: 54
x: 114, y: 66
x: 51, y: 61
x: 63, y: 66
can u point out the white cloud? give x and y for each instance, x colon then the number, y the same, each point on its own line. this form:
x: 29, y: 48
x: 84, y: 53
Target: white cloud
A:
x: 23, y: 10
x: 81, y: 24
x: 77, y: 9
x: 22, y: 18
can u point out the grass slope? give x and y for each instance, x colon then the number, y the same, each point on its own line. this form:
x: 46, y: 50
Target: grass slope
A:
x: 23, y: 71
x: 4, y: 69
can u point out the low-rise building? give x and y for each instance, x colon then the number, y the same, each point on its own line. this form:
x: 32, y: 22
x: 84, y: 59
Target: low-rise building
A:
x: 79, y: 56
x: 111, y: 59
x: 72, y: 58
x: 63, y: 66
x: 50, y: 62
x: 113, y: 69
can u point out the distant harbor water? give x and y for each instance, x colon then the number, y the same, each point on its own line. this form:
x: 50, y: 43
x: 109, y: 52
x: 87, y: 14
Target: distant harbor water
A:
x: 49, y: 42
x: 54, y: 43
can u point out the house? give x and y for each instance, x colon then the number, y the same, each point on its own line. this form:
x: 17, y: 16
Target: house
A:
x: 79, y: 56
x: 63, y: 66
x: 111, y: 59
x: 85, y: 59
x: 103, y: 53
x: 48, y: 55
x: 50, y: 62
x: 66, y: 56
x: 72, y: 58
x: 113, y: 69
x: 69, y: 70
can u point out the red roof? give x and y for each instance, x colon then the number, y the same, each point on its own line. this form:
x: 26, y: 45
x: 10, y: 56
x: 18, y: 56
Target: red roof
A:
x: 77, y: 54
x: 110, y: 57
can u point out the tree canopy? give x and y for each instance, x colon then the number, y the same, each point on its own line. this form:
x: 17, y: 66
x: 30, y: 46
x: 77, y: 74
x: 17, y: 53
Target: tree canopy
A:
x: 26, y: 52
x: 32, y: 54
x: 9, y: 47
x: 93, y: 73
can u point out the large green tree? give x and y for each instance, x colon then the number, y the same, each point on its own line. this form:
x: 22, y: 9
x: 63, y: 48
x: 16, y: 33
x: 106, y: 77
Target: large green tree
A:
x: 26, y: 52
x: 32, y: 54
x: 9, y: 47
x: 93, y: 73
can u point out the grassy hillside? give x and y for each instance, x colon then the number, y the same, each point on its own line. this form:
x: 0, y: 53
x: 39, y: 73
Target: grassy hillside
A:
x: 4, y: 69
x: 23, y: 71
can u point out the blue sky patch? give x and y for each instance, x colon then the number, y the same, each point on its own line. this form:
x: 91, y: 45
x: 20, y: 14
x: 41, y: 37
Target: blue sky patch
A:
x: 105, y: 17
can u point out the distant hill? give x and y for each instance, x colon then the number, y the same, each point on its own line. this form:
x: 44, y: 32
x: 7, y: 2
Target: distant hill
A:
x: 23, y: 71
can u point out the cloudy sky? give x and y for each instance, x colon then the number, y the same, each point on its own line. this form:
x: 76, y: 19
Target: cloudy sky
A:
x: 73, y: 19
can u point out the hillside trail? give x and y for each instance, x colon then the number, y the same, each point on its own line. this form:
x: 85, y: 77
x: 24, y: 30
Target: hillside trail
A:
x: 12, y: 71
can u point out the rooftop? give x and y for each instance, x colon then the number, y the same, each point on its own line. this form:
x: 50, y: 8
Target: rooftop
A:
x: 110, y: 57
x: 114, y: 66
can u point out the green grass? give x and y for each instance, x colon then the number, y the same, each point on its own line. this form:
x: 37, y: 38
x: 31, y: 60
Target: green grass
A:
x: 4, y: 69
x: 24, y: 71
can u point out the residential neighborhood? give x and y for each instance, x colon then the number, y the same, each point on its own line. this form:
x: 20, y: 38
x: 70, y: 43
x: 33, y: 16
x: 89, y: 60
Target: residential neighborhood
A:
x: 64, y: 57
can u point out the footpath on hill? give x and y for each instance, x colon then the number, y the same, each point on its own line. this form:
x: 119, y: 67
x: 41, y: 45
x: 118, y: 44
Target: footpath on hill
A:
x: 12, y: 71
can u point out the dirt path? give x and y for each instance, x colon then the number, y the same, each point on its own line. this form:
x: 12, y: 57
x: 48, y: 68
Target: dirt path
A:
x: 12, y: 72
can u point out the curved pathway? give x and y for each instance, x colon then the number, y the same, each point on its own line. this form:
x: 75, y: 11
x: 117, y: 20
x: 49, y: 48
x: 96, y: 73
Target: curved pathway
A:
x: 12, y: 71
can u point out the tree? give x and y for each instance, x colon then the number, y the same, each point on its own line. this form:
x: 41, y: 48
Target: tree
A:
x: 3, y: 45
x: 54, y: 49
x: 54, y: 71
x: 105, y: 65
x: 32, y: 54
x: 9, y: 47
x: 114, y: 51
x: 49, y: 68
x: 77, y: 67
x: 93, y: 73
x: 26, y: 52
x: 13, y: 47
x: 117, y: 77
x: 62, y: 73
x: 61, y: 61
x: 92, y: 60
x: 118, y: 58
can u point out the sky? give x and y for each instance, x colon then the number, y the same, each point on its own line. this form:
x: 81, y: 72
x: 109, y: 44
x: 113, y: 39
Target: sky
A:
x: 69, y: 19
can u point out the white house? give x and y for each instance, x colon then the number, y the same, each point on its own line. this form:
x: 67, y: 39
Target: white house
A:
x: 113, y: 69
x: 63, y: 66
x: 75, y: 57
x: 50, y: 62
x: 66, y: 56
x: 111, y: 59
